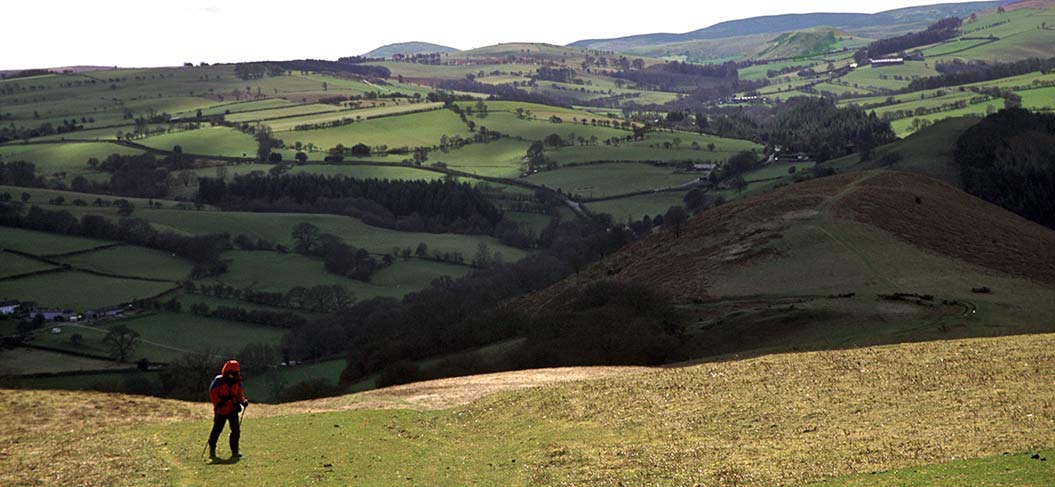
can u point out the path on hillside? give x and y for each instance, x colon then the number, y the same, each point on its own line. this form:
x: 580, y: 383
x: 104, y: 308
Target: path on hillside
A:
x: 448, y: 393
x: 825, y: 223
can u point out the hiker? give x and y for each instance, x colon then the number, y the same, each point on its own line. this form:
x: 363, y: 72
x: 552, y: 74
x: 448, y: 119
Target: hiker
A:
x: 228, y: 399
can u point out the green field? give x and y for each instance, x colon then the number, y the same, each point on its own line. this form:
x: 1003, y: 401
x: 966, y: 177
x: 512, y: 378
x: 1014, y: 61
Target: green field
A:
x: 508, y: 124
x: 1038, y: 99
x: 928, y: 103
x: 358, y: 171
x: 1018, y: 38
x: 886, y: 78
x: 128, y: 260
x: 387, y: 109
x: 71, y: 157
x: 775, y: 170
x: 533, y: 222
x: 411, y: 70
x: 41, y: 197
x: 501, y: 158
x: 79, y: 291
x: 276, y: 227
x: 903, y: 127
x: 164, y: 337
x: 635, y: 208
x: 281, y: 112
x: 270, y: 271
x: 414, y: 130
x: 43, y: 243
x: 603, y: 180
x: 927, y: 152
x: 240, y: 106
x: 215, y: 141
x: 13, y: 265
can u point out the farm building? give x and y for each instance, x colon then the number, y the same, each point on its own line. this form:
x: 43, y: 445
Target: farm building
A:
x: 9, y: 307
x: 108, y: 312
x: 894, y: 61
x: 50, y: 314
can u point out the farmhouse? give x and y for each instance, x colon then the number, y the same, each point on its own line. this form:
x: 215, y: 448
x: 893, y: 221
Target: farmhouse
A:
x: 894, y: 61
x: 9, y: 307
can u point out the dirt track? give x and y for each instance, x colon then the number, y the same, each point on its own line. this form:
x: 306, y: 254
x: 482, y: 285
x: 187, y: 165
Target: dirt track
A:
x: 446, y: 393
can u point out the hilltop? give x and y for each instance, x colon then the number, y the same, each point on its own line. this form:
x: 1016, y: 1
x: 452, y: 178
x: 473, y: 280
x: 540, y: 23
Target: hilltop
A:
x: 776, y: 420
x: 877, y: 25
x: 408, y: 49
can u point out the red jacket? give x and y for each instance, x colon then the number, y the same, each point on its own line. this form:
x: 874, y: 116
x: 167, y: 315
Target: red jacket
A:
x: 224, y: 393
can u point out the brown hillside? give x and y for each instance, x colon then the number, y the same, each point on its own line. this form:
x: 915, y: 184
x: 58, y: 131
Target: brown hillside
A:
x: 1037, y: 4
x: 950, y: 222
x: 727, y: 239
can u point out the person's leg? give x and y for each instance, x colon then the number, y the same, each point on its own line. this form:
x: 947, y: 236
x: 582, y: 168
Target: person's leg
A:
x: 214, y: 435
x: 236, y: 433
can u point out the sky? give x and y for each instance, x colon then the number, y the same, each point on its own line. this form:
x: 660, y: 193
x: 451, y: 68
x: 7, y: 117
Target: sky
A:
x: 147, y: 33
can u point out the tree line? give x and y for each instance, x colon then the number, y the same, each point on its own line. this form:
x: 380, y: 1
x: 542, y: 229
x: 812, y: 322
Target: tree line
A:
x: 984, y: 72
x: 434, y: 206
x: 1008, y: 159
x: 939, y: 31
x: 204, y: 251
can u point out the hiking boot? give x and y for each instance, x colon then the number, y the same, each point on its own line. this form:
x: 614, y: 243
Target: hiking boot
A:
x: 212, y: 452
x: 235, y: 454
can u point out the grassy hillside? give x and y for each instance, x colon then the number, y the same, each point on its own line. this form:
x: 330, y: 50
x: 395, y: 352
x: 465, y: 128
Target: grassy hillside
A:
x: 409, y: 48
x: 928, y: 152
x: 782, y: 419
x: 771, y: 266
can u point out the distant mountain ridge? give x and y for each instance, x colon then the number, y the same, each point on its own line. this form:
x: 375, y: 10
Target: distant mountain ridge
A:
x: 409, y: 49
x: 906, y: 18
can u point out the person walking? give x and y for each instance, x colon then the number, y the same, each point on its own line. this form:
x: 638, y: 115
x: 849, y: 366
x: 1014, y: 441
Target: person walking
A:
x: 228, y: 398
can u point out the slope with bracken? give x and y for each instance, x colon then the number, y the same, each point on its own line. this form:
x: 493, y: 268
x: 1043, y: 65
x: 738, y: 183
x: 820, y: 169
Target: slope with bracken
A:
x: 859, y: 258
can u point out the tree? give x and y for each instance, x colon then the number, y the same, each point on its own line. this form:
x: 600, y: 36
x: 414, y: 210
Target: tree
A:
x: 483, y: 255
x: 421, y: 155
x: 304, y: 237
x: 695, y: 200
x: 422, y: 250
x: 122, y: 340
x: 360, y: 150
x: 675, y: 218
x: 739, y: 183
x: 301, y: 157
x: 26, y: 197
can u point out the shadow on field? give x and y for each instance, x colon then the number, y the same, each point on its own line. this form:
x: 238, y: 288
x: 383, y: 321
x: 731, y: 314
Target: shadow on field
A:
x: 224, y: 461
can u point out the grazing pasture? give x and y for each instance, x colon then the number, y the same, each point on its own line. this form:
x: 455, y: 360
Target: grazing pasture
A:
x: 78, y: 290
x: 128, y: 260
x: 414, y: 130
x: 604, y: 180
x: 70, y: 157
x: 213, y: 141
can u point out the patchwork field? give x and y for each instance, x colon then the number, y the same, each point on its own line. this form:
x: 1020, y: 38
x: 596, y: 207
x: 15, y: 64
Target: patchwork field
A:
x: 604, y: 180
x: 218, y: 141
x: 421, y: 129
x: 71, y: 158
x: 43, y: 243
x: 79, y: 291
x: 127, y: 260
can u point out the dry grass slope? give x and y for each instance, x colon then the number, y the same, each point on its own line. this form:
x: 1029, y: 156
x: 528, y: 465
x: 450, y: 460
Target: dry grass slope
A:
x: 775, y: 420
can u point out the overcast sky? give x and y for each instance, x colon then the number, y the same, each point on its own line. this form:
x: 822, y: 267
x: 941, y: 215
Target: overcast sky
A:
x: 141, y: 33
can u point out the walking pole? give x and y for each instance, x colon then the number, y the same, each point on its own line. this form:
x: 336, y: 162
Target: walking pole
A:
x: 242, y: 415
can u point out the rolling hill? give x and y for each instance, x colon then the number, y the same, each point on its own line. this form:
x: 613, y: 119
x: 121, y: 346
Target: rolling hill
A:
x: 409, y: 49
x: 860, y: 258
x: 931, y: 410
x: 887, y: 23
